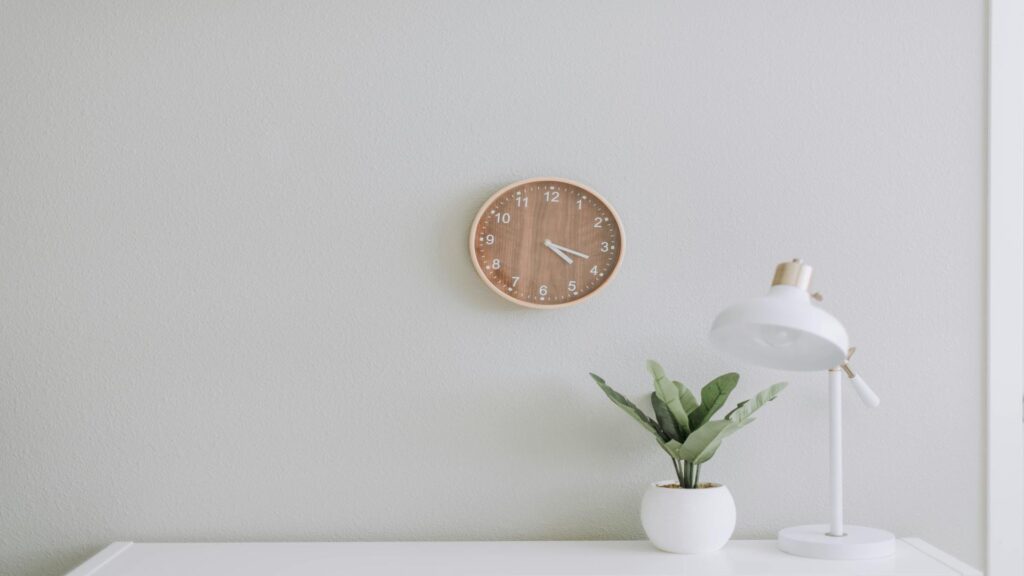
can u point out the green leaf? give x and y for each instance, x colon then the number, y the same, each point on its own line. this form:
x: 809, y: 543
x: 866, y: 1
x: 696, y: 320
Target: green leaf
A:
x: 669, y: 394
x: 686, y: 397
x: 631, y: 409
x: 673, y: 448
x: 713, y: 396
x: 704, y: 442
x: 738, y: 406
x: 744, y: 409
x: 665, y: 419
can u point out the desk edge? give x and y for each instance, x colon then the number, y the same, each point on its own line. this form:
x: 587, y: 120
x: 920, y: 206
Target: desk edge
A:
x: 102, y: 558
x: 92, y: 566
x: 960, y: 566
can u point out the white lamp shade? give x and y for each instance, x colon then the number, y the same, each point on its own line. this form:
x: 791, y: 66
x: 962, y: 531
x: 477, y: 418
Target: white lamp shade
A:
x: 783, y: 330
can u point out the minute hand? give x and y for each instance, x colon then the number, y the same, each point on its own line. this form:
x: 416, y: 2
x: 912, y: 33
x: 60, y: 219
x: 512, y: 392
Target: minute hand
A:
x: 558, y: 252
x: 570, y: 251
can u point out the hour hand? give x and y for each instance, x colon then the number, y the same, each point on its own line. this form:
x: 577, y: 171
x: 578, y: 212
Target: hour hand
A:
x: 555, y: 248
x: 551, y: 244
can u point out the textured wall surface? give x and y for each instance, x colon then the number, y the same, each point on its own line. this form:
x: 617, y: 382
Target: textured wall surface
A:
x: 236, y: 301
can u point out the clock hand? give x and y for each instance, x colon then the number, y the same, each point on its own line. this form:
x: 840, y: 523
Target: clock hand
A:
x: 561, y: 255
x: 564, y: 249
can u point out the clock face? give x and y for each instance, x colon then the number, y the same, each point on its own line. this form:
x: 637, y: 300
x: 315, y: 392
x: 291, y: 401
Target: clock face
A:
x: 546, y: 242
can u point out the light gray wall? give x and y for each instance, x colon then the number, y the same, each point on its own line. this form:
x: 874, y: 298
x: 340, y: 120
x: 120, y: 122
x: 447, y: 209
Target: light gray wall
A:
x: 236, y: 301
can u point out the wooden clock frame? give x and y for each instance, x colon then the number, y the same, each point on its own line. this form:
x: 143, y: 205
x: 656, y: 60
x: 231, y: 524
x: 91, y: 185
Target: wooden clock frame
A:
x: 490, y: 200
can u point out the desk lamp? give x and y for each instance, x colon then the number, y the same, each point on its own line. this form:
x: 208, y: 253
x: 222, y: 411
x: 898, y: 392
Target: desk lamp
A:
x: 786, y: 330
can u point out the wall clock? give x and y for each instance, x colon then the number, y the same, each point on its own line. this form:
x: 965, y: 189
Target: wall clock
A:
x: 546, y: 242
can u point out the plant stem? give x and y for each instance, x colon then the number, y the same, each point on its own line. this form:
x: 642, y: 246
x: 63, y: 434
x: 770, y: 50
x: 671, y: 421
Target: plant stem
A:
x: 679, y: 471
x: 687, y: 475
x: 696, y: 476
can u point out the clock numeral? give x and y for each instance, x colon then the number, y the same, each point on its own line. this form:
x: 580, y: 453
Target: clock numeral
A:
x: 489, y: 239
x: 597, y: 222
x: 502, y: 217
x: 495, y: 264
x: 594, y: 270
x: 604, y: 247
x: 543, y: 290
x: 551, y: 196
x: 522, y: 201
x: 515, y: 280
x: 579, y: 204
x: 572, y: 285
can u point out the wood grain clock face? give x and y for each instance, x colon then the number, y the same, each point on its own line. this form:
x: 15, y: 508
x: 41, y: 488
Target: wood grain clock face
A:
x: 546, y: 242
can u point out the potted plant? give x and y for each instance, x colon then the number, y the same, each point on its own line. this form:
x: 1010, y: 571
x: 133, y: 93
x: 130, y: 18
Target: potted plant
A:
x: 685, y: 515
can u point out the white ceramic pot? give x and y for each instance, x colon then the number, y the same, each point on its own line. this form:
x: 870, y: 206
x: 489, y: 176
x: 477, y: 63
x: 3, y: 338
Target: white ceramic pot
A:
x: 688, y: 521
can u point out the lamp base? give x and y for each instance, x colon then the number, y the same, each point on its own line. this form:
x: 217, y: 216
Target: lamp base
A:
x: 813, y: 541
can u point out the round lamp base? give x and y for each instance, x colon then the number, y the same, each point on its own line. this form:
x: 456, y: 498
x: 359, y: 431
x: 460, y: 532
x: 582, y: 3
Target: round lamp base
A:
x: 813, y: 541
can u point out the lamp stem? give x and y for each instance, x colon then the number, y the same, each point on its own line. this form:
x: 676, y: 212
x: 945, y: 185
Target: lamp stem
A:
x: 835, y: 469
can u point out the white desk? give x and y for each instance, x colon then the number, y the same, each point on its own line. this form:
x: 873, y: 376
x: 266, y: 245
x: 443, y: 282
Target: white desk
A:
x: 593, y: 558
